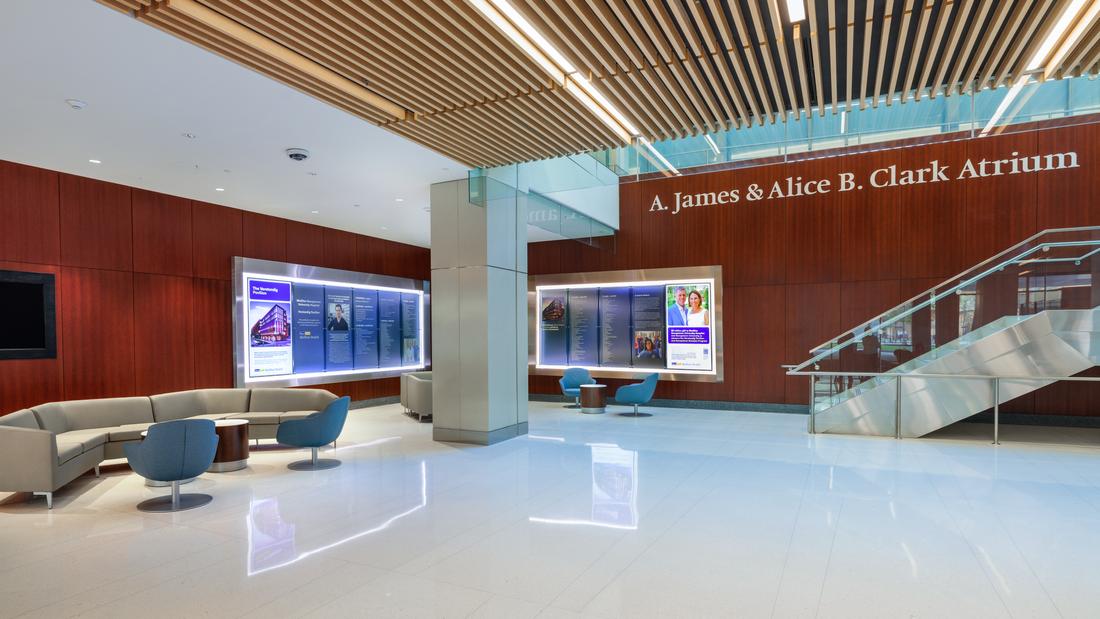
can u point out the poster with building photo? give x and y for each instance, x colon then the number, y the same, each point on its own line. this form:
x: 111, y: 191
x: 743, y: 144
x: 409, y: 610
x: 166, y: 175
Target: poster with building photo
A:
x: 688, y: 326
x: 270, y: 346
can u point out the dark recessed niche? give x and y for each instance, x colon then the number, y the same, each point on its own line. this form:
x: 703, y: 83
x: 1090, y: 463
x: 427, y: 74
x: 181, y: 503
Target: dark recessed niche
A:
x: 27, y: 316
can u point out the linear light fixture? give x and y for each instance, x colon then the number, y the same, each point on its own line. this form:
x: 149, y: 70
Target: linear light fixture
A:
x: 713, y: 146
x: 525, y: 35
x: 1042, y: 59
x: 796, y: 10
x: 251, y: 39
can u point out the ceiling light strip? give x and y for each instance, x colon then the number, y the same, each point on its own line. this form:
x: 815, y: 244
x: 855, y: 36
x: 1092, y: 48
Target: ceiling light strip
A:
x: 1084, y: 13
x: 260, y: 43
x: 524, y: 34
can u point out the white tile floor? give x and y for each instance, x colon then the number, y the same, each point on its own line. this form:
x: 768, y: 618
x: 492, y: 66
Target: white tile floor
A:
x: 686, y: 514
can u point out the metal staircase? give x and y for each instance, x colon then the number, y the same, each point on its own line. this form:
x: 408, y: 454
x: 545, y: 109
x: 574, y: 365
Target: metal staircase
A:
x: 1014, y: 323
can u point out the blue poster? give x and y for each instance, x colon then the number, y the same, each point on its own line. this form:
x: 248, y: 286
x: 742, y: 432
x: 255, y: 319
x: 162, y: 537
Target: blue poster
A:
x: 309, y: 328
x: 615, y: 344
x: 553, y: 335
x: 410, y: 329
x: 583, y: 320
x: 365, y: 328
x: 338, y: 320
x: 389, y: 329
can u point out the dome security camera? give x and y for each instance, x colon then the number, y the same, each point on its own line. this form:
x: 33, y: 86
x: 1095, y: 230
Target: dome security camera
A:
x: 297, y: 154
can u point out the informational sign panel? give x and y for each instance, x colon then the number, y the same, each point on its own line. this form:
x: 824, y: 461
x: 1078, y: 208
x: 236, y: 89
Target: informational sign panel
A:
x: 309, y: 327
x: 389, y: 328
x: 584, y: 326
x: 663, y: 325
x: 295, y: 327
x: 270, y: 345
x: 365, y: 330
x: 338, y: 320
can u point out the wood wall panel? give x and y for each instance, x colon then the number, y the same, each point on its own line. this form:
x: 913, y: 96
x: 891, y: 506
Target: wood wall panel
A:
x: 217, y: 237
x: 870, y: 229
x: 813, y: 316
x: 213, y: 332
x: 305, y: 243
x: 30, y: 214
x: 999, y: 211
x: 164, y: 346
x: 758, y: 344
x: 162, y: 233
x: 97, y: 322
x: 1069, y: 197
x: 264, y: 236
x: 145, y: 301
x: 340, y: 249
x: 96, y: 229
x: 26, y: 382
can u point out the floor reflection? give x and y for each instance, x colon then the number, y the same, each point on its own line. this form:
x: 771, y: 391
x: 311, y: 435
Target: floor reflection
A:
x: 614, y: 490
x: 272, y: 541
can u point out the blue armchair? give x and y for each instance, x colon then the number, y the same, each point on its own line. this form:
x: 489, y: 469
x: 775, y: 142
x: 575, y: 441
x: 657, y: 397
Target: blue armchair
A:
x: 571, y: 382
x: 315, y: 431
x: 637, y: 393
x: 173, y: 451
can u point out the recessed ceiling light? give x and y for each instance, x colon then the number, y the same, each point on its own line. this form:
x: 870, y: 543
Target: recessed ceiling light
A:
x: 76, y: 104
x: 399, y: 199
x: 315, y: 212
x: 219, y: 189
x: 189, y: 135
x: 796, y: 10
x: 385, y: 228
x: 94, y: 161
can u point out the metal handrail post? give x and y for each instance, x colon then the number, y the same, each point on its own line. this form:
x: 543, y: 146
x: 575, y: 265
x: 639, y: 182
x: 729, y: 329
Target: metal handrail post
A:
x: 813, y: 381
x: 897, y: 409
x: 997, y: 411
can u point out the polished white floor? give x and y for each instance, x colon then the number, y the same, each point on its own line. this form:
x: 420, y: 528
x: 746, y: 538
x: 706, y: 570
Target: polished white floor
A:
x: 686, y: 514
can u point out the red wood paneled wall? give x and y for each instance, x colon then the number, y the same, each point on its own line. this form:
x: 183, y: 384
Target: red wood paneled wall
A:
x: 799, y: 271
x: 143, y: 283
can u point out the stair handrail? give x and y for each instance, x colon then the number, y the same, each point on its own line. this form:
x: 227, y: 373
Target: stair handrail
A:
x: 933, y: 296
x: 1022, y: 243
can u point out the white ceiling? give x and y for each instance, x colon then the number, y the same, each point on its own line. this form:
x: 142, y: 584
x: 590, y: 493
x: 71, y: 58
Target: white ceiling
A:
x: 145, y: 88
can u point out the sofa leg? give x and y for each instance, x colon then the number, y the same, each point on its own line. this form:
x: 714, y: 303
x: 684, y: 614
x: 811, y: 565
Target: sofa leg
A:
x: 49, y: 498
x: 97, y: 470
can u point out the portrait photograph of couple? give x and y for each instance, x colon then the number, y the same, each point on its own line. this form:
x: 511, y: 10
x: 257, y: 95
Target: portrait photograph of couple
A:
x: 688, y: 305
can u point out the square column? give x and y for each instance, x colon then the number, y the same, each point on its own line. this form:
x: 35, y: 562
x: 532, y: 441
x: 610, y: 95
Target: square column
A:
x: 479, y: 314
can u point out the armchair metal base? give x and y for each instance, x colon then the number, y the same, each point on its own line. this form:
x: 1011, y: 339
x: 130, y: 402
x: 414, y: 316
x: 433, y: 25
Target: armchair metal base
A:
x: 174, y: 502
x: 314, y: 463
x: 635, y: 413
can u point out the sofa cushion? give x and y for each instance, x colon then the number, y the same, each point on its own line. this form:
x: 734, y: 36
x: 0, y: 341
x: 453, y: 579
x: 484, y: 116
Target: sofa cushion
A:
x: 84, y: 414
x: 89, y: 438
x: 282, y: 400
x: 21, y: 419
x: 198, y: 402
x: 128, y: 432
x: 68, y: 449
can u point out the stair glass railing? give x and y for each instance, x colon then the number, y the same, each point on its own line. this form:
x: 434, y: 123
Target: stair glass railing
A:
x: 1052, y: 270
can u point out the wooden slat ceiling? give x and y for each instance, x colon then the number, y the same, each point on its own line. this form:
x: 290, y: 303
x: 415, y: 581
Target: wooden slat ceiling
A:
x: 673, y: 68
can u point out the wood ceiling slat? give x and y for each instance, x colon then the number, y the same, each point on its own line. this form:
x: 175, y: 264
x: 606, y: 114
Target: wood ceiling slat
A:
x: 968, y: 47
x: 942, y: 20
x: 903, y: 35
x: 673, y: 68
x: 1012, y: 65
x: 733, y: 48
x: 749, y: 49
x: 884, y: 40
x: 815, y: 47
x: 918, y: 51
x: 951, y: 49
x: 868, y: 30
x: 1004, y: 40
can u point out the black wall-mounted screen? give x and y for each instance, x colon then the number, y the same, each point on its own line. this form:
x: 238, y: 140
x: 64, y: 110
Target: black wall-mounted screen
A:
x: 27, y: 316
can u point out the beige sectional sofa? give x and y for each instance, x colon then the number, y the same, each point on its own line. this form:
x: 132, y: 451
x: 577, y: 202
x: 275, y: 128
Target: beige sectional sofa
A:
x: 47, y: 446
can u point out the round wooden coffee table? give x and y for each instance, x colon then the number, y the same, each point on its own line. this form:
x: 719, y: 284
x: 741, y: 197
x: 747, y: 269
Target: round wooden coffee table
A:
x: 593, y: 399
x: 232, y: 454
